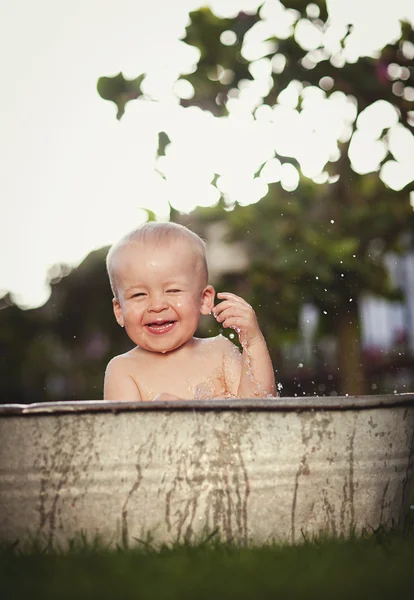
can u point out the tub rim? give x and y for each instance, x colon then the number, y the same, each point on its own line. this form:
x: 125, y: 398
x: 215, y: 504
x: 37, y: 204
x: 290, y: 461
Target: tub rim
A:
x: 288, y: 404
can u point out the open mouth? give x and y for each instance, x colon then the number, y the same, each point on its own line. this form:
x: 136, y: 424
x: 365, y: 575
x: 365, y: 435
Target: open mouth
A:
x: 159, y: 327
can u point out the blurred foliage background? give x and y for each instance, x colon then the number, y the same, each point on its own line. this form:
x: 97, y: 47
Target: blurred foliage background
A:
x: 60, y: 351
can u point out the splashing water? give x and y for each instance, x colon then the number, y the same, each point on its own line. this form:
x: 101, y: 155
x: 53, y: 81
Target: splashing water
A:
x: 260, y: 390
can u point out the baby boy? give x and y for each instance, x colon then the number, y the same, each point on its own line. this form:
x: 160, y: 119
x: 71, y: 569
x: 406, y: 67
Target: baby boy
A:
x: 159, y: 279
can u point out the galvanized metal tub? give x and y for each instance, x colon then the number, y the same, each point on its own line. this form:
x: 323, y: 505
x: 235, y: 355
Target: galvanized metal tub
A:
x: 256, y: 471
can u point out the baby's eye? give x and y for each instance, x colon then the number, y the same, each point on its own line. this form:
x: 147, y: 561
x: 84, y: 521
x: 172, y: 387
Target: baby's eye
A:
x: 173, y: 291
x: 138, y: 295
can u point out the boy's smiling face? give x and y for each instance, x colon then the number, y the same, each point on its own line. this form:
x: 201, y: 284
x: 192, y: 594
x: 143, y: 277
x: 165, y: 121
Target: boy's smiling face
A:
x: 161, y: 293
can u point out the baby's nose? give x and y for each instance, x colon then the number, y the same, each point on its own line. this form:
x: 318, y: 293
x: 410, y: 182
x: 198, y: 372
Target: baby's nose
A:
x: 157, y: 303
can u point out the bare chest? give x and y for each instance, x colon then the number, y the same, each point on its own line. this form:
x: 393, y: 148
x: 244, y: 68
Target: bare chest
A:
x: 198, y: 377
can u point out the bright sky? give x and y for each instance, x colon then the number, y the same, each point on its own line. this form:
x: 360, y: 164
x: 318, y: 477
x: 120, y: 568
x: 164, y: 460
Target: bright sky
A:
x: 74, y: 178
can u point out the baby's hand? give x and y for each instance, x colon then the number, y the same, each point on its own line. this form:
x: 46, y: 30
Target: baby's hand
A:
x: 236, y: 313
x: 165, y: 396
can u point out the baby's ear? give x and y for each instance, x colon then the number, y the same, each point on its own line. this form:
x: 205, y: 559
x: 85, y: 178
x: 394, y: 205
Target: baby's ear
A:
x: 119, y: 316
x: 207, y: 300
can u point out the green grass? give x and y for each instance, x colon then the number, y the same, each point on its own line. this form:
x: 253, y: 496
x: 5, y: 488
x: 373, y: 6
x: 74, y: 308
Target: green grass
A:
x: 377, y: 566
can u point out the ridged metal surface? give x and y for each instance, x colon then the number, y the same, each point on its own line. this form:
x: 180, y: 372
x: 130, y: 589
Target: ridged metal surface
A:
x: 254, y: 471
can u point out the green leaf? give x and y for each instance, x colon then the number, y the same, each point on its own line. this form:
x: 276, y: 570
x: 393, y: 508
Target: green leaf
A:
x: 120, y: 90
x: 163, y: 142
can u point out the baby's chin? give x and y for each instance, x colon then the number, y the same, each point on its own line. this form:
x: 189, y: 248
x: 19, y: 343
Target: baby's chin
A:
x: 165, y: 348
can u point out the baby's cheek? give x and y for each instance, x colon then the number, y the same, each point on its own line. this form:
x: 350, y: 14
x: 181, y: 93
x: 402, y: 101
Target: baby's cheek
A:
x: 133, y: 312
x: 182, y: 303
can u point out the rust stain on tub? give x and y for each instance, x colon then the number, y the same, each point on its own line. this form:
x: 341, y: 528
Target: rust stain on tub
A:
x: 383, y: 505
x: 144, y: 451
x: 314, y: 428
x: 58, y: 470
x: 348, y: 489
x: 124, y: 516
x: 351, y: 472
x: 211, y: 487
x: 183, y: 489
x: 329, y: 510
x: 227, y: 499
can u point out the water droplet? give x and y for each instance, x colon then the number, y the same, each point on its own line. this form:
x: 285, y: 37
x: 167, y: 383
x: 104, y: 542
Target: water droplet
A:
x: 74, y: 337
x: 350, y: 299
x: 332, y: 221
x: 316, y: 277
x: 325, y: 312
x: 231, y: 335
x: 300, y: 365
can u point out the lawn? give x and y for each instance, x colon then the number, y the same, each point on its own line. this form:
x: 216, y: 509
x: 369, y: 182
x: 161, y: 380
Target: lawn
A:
x: 379, y: 565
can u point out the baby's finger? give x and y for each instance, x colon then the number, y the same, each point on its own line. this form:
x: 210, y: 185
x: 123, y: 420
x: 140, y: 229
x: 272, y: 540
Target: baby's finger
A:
x: 226, y: 313
x: 236, y: 323
x: 228, y: 309
x: 237, y: 303
x: 221, y: 306
x: 232, y: 297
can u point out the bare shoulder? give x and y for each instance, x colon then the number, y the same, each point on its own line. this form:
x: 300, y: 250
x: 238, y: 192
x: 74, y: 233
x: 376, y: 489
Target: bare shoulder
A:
x: 220, y: 345
x: 231, y: 361
x: 119, y: 381
x: 226, y: 345
x: 123, y: 362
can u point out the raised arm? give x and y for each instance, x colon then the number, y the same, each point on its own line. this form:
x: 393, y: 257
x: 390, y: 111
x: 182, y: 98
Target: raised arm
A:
x: 118, y: 384
x: 256, y: 375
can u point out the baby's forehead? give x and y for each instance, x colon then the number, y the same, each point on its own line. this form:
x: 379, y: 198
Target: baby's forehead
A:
x: 129, y: 253
x: 157, y: 246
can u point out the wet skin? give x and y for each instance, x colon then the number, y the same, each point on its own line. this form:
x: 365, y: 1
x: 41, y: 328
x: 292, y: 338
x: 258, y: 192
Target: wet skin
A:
x: 161, y: 293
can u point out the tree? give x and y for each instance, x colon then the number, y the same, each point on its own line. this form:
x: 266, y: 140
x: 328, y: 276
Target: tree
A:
x: 344, y: 227
x: 60, y: 350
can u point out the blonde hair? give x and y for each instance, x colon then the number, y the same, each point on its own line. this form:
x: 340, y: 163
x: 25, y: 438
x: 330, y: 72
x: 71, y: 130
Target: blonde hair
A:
x: 162, y: 233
